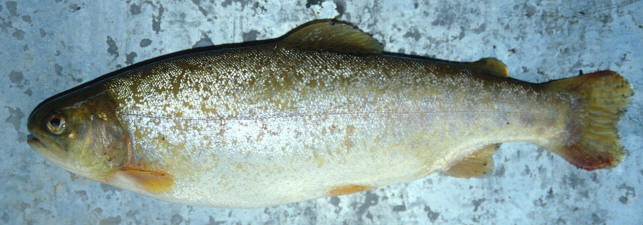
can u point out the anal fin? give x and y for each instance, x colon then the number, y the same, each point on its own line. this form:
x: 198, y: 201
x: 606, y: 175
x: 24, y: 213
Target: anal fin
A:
x: 478, y: 163
x: 347, y: 189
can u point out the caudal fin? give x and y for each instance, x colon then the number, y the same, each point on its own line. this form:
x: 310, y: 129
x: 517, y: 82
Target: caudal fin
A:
x: 602, y: 99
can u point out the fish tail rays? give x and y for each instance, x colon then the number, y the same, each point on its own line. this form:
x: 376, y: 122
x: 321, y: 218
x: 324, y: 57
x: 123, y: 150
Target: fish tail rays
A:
x: 593, y: 141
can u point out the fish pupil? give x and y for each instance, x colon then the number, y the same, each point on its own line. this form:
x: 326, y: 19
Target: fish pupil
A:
x: 55, y: 122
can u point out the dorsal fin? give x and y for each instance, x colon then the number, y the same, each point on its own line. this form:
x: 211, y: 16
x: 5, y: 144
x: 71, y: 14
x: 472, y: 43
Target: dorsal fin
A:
x: 476, y: 164
x: 489, y: 66
x: 331, y: 35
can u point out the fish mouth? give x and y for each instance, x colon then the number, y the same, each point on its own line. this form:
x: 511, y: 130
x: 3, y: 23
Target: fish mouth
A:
x: 35, y: 143
x: 45, y: 152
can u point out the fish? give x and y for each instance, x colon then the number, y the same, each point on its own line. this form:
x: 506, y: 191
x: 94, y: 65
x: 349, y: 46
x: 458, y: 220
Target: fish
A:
x: 320, y: 111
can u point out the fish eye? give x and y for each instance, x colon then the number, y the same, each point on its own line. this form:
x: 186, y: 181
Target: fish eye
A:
x: 56, y: 124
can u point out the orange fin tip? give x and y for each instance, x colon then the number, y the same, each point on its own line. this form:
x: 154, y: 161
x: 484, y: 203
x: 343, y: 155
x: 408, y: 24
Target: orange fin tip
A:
x: 347, y: 189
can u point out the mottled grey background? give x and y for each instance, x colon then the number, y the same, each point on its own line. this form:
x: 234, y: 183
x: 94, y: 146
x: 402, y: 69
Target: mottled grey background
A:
x: 50, y: 46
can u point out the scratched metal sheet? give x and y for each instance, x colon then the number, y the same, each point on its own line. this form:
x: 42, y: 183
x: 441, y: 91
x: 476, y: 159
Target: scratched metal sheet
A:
x: 49, y: 46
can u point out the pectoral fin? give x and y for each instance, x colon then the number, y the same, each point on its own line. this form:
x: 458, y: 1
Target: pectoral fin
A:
x: 150, y: 181
x: 476, y: 164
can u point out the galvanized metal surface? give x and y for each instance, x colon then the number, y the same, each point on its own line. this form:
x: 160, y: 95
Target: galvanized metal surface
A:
x: 48, y: 47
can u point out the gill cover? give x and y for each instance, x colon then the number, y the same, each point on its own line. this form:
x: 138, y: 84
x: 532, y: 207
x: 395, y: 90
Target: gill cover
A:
x: 78, y: 131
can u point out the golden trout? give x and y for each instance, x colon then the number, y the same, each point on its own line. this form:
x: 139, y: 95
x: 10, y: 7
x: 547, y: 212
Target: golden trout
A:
x: 321, y: 111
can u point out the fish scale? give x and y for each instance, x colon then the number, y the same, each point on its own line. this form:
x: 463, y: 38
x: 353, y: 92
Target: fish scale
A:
x: 381, y: 124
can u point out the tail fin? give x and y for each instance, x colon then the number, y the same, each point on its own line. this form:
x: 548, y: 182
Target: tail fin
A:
x: 603, y: 97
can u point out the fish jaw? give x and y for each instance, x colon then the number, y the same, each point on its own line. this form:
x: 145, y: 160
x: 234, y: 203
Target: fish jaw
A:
x: 50, y: 154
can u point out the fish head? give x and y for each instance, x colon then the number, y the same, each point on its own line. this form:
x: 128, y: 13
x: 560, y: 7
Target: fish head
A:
x: 80, y: 132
